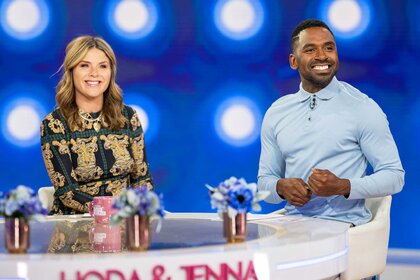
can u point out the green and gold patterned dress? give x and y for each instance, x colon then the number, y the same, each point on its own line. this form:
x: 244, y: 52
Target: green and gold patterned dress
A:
x: 92, y: 160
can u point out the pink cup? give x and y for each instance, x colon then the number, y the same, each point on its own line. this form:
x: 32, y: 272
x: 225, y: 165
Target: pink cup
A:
x: 101, y: 209
x: 105, y: 238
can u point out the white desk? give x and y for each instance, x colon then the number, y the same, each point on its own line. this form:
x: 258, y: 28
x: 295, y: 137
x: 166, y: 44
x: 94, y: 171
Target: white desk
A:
x: 190, y: 246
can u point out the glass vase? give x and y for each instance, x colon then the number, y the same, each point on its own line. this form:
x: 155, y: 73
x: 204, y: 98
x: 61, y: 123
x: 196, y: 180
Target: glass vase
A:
x: 17, y: 235
x: 234, y: 228
x: 138, y: 233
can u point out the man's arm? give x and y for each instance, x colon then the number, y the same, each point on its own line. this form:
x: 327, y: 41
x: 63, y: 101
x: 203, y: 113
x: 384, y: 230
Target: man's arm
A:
x: 271, y: 172
x: 271, y: 167
x: 379, y: 148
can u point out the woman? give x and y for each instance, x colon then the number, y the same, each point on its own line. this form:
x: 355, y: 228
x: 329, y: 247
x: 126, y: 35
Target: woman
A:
x: 92, y: 144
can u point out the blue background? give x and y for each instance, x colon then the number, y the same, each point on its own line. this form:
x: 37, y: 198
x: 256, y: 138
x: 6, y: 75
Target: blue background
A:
x: 185, y: 68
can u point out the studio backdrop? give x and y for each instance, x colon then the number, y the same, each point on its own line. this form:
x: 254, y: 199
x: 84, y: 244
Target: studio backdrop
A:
x: 201, y: 74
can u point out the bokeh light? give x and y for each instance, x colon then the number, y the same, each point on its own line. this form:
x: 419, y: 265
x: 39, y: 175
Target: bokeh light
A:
x: 345, y: 15
x: 348, y: 19
x: 22, y: 118
x: 132, y: 19
x: 147, y: 111
x: 237, y: 121
x: 238, y: 19
x: 24, y: 19
x: 144, y: 118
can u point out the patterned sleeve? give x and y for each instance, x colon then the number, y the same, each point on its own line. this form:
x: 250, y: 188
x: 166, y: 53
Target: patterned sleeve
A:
x: 57, y: 159
x: 140, y: 176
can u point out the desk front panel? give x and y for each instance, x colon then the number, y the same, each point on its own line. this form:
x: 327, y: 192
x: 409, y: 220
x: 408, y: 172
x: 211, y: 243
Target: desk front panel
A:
x: 189, y: 246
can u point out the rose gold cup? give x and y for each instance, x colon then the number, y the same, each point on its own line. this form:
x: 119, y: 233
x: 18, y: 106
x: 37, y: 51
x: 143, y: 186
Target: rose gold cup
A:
x: 234, y: 229
x: 101, y: 209
x: 138, y: 233
x: 17, y: 233
x: 105, y: 238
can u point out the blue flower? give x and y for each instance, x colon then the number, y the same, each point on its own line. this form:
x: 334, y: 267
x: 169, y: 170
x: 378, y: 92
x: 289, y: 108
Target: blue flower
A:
x: 236, y: 196
x: 240, y: 198
x: 140, y: 201
x: 21, y: 202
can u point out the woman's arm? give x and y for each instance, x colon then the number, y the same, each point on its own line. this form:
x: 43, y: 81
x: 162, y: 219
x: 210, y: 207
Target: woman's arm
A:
x: 58, y: 162
x: 140, y: 175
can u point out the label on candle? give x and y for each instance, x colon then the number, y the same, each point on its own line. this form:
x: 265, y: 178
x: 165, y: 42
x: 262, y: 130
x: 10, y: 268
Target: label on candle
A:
x: 98, y: 211
x: 99, y: 237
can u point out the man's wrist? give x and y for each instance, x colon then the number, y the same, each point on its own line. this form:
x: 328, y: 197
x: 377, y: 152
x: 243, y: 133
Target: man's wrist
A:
x: 278, y: 189
x: 345, y: 187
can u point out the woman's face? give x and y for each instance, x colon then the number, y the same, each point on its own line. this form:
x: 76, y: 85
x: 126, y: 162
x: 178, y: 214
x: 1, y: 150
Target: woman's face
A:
x: 91, y: 78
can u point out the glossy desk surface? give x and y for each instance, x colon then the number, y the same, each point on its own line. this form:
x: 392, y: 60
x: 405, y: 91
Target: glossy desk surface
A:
x: 189, y: 246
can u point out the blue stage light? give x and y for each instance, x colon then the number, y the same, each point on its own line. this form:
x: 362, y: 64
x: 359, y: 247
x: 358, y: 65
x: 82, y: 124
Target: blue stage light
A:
x: 21, y: 119
x: 239, y: 27
x: 347, y: 19
x: 237, y: 121
x: 138, y: 28
x: 355, y: 24
x: 238, y: 19
x: 132, y: 19
x: 24, y: 19
x: 146, y: 110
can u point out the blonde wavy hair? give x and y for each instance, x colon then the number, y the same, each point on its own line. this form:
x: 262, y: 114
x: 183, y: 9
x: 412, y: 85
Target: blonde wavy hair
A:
x: 65, y: 91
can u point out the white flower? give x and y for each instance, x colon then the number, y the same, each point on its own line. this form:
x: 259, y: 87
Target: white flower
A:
x: 23, y: 193
x: 132, y: 199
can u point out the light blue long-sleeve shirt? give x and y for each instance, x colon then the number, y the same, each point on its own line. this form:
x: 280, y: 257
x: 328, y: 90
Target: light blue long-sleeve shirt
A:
x: 342, y: 133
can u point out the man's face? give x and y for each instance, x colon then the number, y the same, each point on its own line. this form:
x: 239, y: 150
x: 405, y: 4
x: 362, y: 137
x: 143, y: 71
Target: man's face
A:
x: 315, y: 57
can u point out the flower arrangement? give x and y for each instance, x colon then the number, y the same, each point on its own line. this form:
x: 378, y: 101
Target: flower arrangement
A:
x: 21, y: 202
x: 236, y: 196
x: 137, y: 201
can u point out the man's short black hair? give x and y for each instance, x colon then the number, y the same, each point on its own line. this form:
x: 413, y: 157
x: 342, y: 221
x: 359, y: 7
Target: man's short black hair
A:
x: 304, y: 25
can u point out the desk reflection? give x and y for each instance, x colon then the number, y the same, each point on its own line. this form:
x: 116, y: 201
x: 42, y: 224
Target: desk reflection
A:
x: 83, y: 235
x: 105, y: 238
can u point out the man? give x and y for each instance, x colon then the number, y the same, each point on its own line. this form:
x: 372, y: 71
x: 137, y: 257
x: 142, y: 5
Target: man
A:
x: 316, y: 143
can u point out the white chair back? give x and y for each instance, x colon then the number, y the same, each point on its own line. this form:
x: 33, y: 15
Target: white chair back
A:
x: 46, y: 195
x: 368, y: 243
